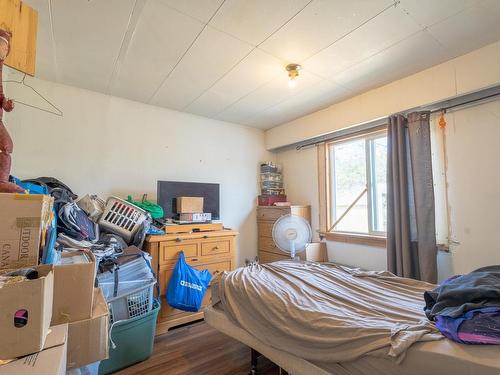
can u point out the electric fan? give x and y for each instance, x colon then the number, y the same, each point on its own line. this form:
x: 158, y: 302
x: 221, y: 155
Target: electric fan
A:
x: 291, y: 234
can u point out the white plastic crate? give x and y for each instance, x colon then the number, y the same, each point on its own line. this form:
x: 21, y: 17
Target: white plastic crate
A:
x: 137, y: 303
x: 122, y: 218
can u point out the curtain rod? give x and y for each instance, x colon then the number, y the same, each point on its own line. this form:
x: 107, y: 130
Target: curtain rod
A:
x: 481, y: 99
x: 442, y: 106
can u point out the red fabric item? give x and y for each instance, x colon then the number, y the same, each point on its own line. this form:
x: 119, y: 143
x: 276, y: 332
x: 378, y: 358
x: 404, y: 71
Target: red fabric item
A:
x: 270, y: 200
x: 6, y: 146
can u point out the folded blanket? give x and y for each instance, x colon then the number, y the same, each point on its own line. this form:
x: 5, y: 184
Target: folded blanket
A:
x: 325, y: 312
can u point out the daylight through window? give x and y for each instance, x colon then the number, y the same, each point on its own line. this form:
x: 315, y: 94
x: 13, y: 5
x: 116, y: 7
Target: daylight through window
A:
x: 358, y: 188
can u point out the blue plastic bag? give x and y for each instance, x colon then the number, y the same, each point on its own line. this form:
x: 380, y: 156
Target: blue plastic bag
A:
x: 187, y: 286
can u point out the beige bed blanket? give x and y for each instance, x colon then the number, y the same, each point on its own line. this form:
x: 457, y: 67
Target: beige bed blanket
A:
x: 325, y: 312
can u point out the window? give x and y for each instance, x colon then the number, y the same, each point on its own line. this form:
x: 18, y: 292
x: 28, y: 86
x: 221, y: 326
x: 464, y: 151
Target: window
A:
x: 356, y: 186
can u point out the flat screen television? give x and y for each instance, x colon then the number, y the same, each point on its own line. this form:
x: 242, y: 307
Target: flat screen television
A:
x: 168, y: 191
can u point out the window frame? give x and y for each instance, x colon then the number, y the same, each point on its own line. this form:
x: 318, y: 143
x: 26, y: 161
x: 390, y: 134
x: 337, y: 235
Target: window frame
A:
x: 373, y: 238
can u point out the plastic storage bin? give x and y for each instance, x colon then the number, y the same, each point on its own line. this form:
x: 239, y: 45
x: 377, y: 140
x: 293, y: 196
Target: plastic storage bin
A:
x: 139, y: 268
x: 128, y: 271
x: 133, y: 341
x: 268, y: 167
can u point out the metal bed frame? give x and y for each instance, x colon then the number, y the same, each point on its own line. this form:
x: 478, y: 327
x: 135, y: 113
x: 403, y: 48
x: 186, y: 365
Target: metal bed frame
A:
x: 254, y: 362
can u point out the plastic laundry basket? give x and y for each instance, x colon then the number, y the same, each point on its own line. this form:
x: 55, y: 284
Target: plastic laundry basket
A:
x: 122, y: 218
x: 133, y: 339
x: 136, y: 302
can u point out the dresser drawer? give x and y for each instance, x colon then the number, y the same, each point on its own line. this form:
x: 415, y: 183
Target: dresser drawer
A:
x: 265, y: 228
x: 215, y: 247
x: 271, y: 214
x: 169, y: 251
x: 168, y: 311
x: 165, y: 274
x: 215, y: 268
x: 267, y: 244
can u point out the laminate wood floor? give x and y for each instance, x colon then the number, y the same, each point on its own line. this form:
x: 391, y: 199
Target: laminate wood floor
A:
x: 198, y: 349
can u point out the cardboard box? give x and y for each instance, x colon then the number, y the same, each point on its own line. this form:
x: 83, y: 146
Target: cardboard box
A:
x: 88, y: 340
x: 34, y: 296
x: 189, y: 205
x: 316, y: 252
x: 73, y: 287
x: 23, y: 217
x: 50, y: 361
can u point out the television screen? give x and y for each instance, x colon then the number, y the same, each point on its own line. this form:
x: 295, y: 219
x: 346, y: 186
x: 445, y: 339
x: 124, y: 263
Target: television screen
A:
x: 168, y: 191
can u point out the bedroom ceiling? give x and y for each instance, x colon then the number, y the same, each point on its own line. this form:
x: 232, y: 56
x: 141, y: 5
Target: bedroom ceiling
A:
x: 226, y: 59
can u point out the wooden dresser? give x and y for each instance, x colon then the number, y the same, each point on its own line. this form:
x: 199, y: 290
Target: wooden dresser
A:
x: 213, y: 250
x: 266, y: 216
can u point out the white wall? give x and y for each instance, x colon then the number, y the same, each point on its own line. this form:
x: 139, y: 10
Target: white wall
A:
x: 112, y: 146
x: 473, y: 153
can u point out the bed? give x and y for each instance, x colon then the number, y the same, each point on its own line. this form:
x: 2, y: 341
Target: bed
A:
x: 274, y: 310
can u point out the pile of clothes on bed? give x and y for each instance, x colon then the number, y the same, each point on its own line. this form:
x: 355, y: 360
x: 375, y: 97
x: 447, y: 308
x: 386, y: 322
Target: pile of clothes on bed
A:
x: 466, y: 308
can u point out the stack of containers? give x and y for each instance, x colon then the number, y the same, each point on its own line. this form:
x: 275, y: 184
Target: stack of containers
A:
x: 271, y: 185
x: 131, y: 293
x: 129, y: 290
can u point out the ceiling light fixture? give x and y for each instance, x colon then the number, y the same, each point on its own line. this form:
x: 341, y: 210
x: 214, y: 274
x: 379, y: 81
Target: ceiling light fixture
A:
x: 293, y: 73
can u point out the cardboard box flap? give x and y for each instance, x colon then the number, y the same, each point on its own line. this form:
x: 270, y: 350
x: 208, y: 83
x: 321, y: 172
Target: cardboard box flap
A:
x: 88, y: 340
x: 57, y: 336
x: 51, y: 360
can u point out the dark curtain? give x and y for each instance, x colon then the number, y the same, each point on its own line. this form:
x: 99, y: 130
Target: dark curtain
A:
x: 411, y: 232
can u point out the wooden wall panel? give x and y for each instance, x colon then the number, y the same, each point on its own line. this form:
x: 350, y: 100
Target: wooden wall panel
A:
x: 22, y: 22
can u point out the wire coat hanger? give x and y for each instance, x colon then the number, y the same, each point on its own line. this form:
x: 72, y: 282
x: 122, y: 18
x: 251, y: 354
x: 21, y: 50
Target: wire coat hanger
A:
x: 22, y: 82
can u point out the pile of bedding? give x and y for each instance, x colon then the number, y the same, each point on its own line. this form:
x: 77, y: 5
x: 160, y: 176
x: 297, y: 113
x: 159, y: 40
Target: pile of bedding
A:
x: 466, y: 308
x: 325, y: 312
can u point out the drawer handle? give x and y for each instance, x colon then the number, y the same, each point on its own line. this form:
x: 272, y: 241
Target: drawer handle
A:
x: 216, y: 248
x: 205, y: 236
x: 194, y: 259
x: 178, y: 239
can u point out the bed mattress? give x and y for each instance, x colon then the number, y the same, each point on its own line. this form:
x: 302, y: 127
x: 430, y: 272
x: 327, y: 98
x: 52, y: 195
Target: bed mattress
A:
x: 343, y: 320
x: 441, y: 357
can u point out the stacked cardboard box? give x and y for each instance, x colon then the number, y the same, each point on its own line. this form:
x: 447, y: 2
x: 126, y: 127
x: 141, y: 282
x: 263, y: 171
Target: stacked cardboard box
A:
x: 62, y: 295
x: 189, y: 205
x: 82, y: 306
x: 190, y: 210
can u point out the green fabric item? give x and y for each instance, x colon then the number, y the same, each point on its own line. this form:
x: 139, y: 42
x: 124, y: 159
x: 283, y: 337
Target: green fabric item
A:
x: 155, y: 210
